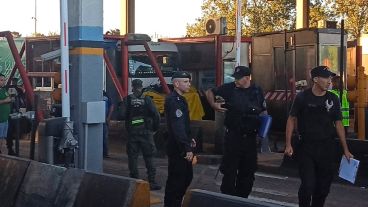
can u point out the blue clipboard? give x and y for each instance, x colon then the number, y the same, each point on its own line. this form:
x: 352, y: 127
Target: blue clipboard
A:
x: 266, y: 121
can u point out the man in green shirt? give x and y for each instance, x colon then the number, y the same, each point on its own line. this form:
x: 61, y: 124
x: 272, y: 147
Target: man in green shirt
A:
x: 4, y: 109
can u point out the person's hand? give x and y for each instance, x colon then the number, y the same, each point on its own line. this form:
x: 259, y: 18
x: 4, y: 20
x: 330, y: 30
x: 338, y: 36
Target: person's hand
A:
x: 193, y: 144
x: 289, y: 150
x: 217, y: 107
x: 8, y: 100
x: 348, y: 155
x: 189, y: 156
x: 194, y: 160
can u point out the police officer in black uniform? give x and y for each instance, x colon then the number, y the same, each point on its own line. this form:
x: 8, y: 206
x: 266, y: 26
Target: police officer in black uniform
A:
x: 141, y: 120
x: 180, y: 145
x: 243, y: 103
x: 318, y: 116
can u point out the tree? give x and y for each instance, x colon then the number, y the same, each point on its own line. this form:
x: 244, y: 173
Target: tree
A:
x: 16, y: 34
x: 38, y: 35
x: 52, y: 34
x: 269, y: 16
x: 319, y: 10
x: 214, y: 9
x: 355, y: 14
x: 113, y: 32
x: 258, y: 16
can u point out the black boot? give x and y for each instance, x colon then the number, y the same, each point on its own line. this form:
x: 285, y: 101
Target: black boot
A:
x: 155, y: 186
x: 11, y: 152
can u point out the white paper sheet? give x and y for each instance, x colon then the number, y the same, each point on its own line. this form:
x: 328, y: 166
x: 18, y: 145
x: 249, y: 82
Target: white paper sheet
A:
x: 348, y: 171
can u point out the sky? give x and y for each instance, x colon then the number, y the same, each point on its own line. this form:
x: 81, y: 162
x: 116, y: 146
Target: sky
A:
x: 167, y: 18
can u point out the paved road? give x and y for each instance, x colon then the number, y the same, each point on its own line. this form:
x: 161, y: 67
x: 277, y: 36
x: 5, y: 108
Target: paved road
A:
x: 269, y: 187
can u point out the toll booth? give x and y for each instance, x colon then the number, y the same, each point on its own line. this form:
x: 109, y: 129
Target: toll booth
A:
x: 282, y: 62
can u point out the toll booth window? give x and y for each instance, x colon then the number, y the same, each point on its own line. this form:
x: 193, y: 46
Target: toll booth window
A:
x: 228, y: 72
x: 140, y: 65
x: 305, y: 61
x: 329, y: 56
x: 43, y: 83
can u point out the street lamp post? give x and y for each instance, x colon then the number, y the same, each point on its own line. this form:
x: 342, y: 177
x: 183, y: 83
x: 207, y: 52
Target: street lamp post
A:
x: 35, y: 19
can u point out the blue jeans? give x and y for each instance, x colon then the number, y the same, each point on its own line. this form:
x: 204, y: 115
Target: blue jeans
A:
x: 3, y: 129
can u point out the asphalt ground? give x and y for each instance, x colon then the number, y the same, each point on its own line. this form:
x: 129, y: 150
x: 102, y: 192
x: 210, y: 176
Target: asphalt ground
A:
x: 274, y: 183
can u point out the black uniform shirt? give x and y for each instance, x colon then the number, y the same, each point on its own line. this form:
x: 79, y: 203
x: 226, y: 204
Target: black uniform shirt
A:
x: 240, y: 101
x: 177, y: 118
x: 316, y: 114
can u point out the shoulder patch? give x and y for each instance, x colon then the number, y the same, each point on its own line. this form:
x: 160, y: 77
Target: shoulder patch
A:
x: 178, y: 113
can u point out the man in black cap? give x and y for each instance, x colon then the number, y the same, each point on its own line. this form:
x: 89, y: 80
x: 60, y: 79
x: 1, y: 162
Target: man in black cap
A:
x: 180, y: 145
x: 243, y: 103
x: 142, y: 119
x: 318, y: 115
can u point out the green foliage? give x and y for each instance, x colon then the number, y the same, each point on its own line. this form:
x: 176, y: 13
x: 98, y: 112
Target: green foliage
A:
x: 38, y: 35
x: 256, y: 16
x: 52, y: 34
x: 113, y: 32
x: 16, y: 34
x: 319, y: 10
x: 355, y: 14
x: 267, y: 16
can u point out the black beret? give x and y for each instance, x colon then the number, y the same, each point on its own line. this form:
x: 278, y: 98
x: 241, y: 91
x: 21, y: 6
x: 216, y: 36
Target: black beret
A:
x: 181, y: 74
x: 137, y: 83
x: 322, y: 71
x: 241, y: 71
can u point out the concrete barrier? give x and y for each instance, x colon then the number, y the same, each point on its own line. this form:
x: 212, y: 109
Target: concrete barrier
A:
x: 69, y: 187
x: 201, y: 198
x: 103, y: 190
x: 40, y: 185
x: 12, y: 173
x: 33, y: 184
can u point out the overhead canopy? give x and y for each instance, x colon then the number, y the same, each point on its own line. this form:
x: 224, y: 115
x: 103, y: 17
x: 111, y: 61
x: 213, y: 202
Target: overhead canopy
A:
x: 51, y: 55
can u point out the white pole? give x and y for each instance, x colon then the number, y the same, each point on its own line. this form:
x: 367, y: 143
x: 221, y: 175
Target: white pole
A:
x: 35, y: 19
x: 64, y: 46
x: 238, y: 32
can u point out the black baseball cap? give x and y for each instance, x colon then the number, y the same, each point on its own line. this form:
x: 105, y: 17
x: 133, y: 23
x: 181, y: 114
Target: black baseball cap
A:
x: 322, y: 71
x: 181, y: 74
x: 241, y: 71
x: 137, y: 83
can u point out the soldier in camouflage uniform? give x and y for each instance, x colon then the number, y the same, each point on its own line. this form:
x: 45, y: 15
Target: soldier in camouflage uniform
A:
x: 141, y: 121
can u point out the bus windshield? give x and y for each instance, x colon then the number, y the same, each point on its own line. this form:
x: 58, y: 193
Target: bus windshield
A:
x: 140, y: 65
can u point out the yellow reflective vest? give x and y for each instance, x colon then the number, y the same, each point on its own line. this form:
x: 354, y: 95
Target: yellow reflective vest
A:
x: 344, y: 106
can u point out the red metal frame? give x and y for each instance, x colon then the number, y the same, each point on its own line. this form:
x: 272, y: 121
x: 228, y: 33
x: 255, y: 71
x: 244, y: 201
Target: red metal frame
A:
x: 219, y: 64
x: 125, y: 65
x: 114, y: 78
x: 15, y: 66
x: 22, y: 71
x: 20, y: 66
x: 217, y: 40
x: 152, y: 58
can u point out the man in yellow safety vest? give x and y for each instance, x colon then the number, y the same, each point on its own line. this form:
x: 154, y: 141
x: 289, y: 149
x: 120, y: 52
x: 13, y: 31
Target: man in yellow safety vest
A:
x: 344, y: 102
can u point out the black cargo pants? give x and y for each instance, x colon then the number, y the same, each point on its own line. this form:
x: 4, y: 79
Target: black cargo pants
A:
x: 316, y: 170
x: 239, y: 163
x: 141, y: 142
